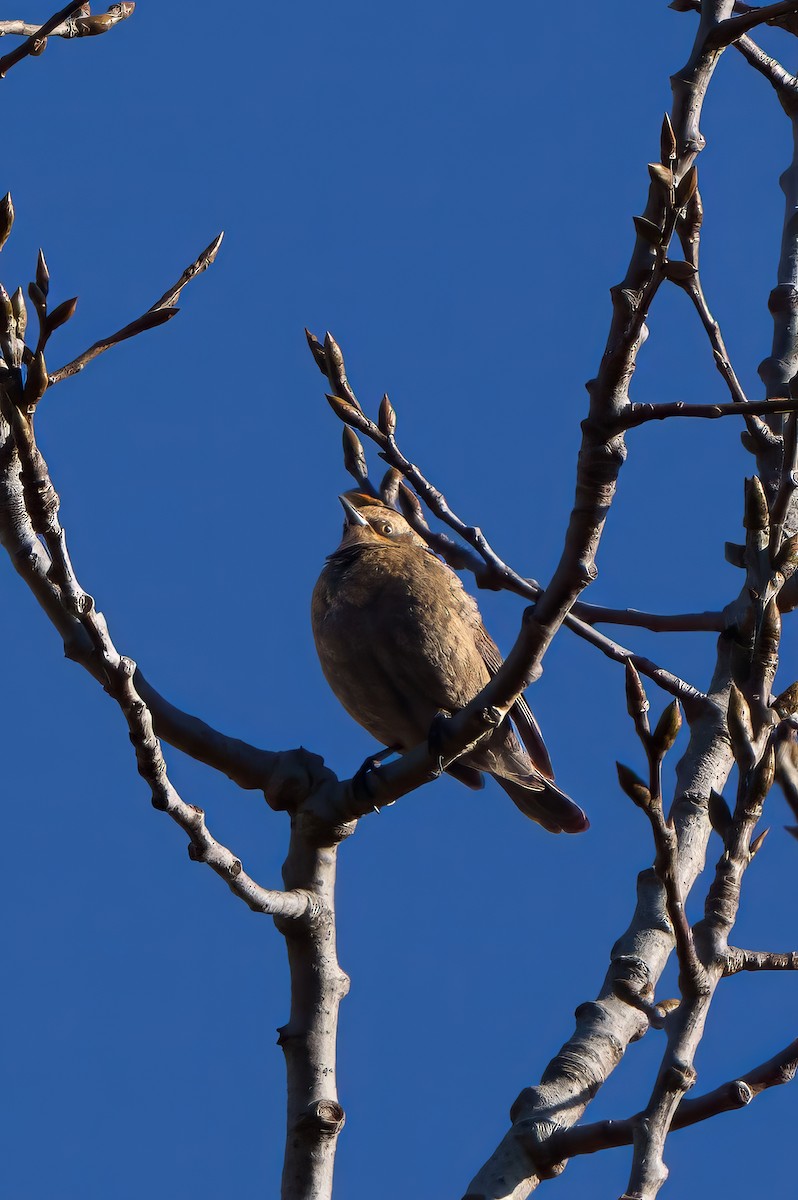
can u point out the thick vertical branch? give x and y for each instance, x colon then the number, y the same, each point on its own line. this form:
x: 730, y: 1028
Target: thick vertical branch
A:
x: 605, y: 1027
x: 315, y: 1117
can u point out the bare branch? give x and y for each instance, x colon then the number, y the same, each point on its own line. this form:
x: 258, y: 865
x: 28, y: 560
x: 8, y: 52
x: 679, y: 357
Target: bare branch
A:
x: 737, y: 1093
x: 161, y: 311
x: 772, y: 70
x: 732, y: 28
x: 597, y: 614
x: 639, y: 414
x: 759, y: 960
x: 59, y: 25
x: 116, y: 672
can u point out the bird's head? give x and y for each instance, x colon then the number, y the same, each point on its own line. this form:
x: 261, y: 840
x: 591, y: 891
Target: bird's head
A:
x: 369, y: 522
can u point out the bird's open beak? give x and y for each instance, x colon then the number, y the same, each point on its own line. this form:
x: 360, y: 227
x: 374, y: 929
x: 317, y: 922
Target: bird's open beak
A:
x: 353, y: 517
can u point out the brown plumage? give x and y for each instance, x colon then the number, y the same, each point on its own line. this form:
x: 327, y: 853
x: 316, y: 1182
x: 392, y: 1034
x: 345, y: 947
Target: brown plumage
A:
x: 400, y: 640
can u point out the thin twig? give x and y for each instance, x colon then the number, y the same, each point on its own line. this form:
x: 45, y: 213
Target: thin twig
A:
x: 42, y: 503
x: 737, y: 1093
x: 158, y: 313
x: 639, y: 414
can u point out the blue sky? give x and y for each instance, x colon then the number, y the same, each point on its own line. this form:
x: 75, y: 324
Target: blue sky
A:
x: 449, y: 189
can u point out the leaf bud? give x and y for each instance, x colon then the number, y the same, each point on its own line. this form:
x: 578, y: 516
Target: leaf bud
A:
x: 6, y: 218
x: 667, y: 729
x: 37, y: 381
x: 720, y: 817
x: 648, y: 231
x: 634, y: 787
x: 20, y: 312
x: 354, y: 456
x: 42, y: 274
x: 387, y: 417
x: 686, y: 187
x: 667, y: 141
x: 741, y: 732
x: 756, y: 844
x: 317, y: 350
x: 637, y: 704
x: 662, y: 176
x: 757, y: 514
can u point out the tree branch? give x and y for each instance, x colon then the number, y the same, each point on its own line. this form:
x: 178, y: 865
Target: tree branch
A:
x: 61, y: 24
x: 639, y: 414
x: 161, y: 311
x: 758, y: 960
x: 737, y: 1093
x: 726, y: 32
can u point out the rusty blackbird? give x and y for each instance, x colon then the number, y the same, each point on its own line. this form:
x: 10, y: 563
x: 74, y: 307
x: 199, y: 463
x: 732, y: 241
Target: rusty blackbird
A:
x: 400, y: 640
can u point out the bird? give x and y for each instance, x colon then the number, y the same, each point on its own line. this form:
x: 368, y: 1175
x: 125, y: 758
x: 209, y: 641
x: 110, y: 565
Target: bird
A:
x: 400, y: 641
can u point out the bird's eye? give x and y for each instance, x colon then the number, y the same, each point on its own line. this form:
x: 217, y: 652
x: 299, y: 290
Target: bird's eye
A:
x: 387, y: 528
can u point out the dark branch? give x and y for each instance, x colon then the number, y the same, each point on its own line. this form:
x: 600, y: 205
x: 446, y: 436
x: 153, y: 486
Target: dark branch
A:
x: 734, y: 27
x: 639, y: 414
x: 161, y: 311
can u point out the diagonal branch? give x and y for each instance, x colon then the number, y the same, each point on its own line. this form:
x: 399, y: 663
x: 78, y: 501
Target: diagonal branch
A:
x: 737, y: 1093
x: 161, y: 311
x: 61, y: 24
x: 726, y: 32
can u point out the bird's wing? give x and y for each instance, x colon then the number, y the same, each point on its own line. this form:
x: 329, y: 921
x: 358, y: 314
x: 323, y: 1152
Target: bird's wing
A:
x: 521, y: 713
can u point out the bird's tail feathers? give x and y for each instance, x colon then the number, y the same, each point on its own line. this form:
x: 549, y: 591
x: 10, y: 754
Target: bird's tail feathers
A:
x: 542, y: 801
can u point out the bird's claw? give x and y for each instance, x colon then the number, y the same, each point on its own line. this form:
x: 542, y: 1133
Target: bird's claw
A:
x: 435, y: 739
x: 360, y: 778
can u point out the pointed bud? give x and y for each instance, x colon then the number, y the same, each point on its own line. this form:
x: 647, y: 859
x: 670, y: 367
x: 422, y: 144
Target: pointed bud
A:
x: 686, y: 188
x: 734, y: 554
x: 634, y: 787
x: 787, y: 556
x: 37, y: 381
x: 637, y: 704
x: 786, y: 704
x: 648, y: 231
x: 720, y: 817
x: 667, y: 141
x: 42, y: 274
x: 756, y: 844
x: 389, y: 488
x: 20, y: 312
x: 661, y: 176
x: 336, y: 372
x: 60, y: 315
x: 6, y: 218
x: 757, y: 514
x: 354, y: 456
x: 410, y: 505
x: 679, y: 271
x: 769, y: 634
x: 667, y: 730
x: 762, y: 777
x: 387, y: 417
x: 317, y: 350
x: 741, y: 733
x: 341, y: 408
x: 38, y: 299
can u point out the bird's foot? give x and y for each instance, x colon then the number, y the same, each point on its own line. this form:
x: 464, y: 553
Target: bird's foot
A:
x: 435, y: 740
x: 360, y: 778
